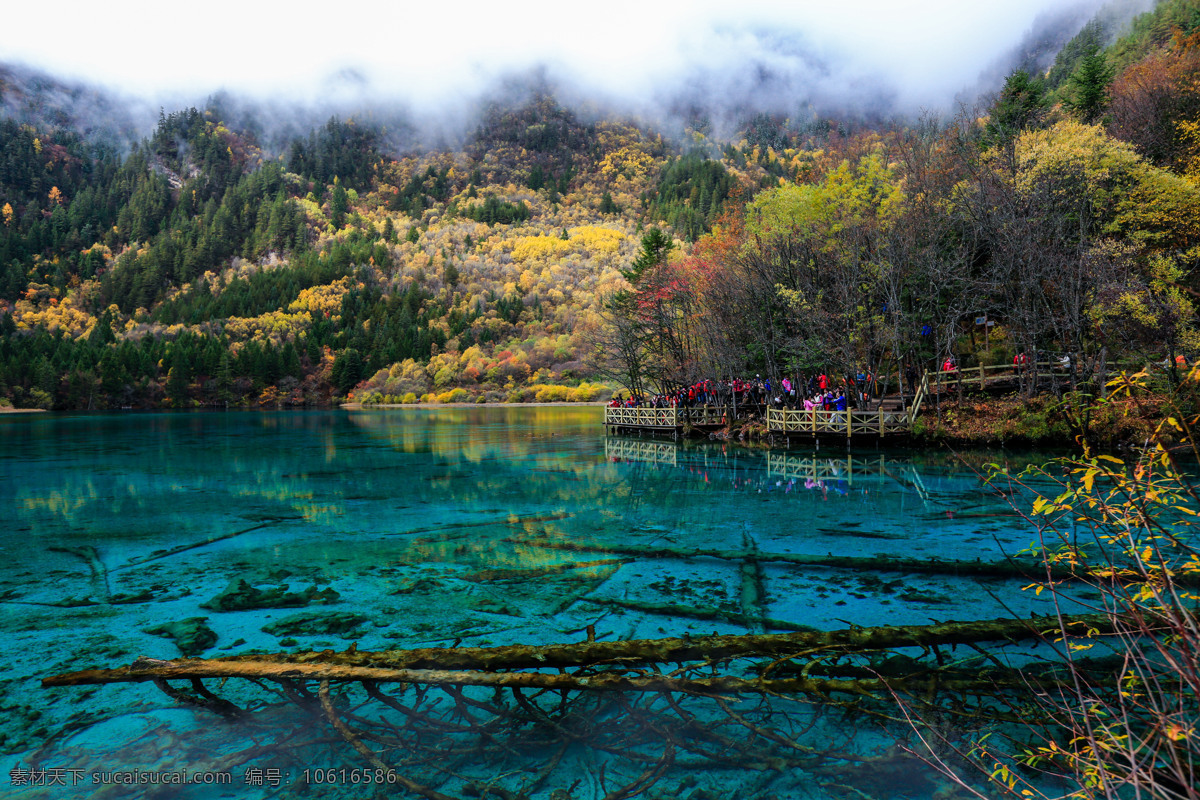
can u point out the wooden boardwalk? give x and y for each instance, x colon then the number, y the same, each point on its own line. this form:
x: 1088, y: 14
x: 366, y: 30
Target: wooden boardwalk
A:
x: 675, y: 421
x: 850, y: 424
x: 885, y: 422
x: 1002, y: 377
x: 797, y: 423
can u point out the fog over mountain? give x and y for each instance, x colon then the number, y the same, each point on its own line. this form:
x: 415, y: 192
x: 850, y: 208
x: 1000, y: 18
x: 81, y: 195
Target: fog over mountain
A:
x: 432, y: 63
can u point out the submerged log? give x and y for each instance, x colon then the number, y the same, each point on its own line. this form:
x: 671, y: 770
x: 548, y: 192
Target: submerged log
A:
x: 582, y: 654
x: 486, y: 575
x: 753, y: 591
x: 197, y: 669
x: 755, y: 621
x: 454, y: 530
x: 183, y: 548
x: 998, y: 569
x: 99, y: 572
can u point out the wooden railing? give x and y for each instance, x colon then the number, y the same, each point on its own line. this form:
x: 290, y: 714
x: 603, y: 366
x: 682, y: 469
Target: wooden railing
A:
x: 641, y: 417
x: 982, y: 374
x: 701, y: 416
x: 848, y: 423
x: 918, y: 398
x: 707, y: 416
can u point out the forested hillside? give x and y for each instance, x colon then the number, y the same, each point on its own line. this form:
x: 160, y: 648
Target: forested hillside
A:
x: 1066, y: 213
x: 204, y: 266
x: 200, y: 269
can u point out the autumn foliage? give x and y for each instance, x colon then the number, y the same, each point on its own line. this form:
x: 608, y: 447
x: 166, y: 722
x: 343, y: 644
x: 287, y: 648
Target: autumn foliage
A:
x: 796, y: 244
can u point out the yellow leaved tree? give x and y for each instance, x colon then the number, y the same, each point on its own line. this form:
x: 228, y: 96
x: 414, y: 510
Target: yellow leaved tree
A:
x: 1118, y: 714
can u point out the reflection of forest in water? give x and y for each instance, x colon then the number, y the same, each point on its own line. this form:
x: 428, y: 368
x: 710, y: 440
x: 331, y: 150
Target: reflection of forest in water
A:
x: 141, y: 485
x: 308, y: 464
x: 434, y: 526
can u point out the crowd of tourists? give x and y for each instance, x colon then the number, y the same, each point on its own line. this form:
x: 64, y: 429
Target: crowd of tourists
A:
x: 808, y: 392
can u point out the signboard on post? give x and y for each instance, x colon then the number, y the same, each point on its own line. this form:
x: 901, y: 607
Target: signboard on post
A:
x: 987, y: 325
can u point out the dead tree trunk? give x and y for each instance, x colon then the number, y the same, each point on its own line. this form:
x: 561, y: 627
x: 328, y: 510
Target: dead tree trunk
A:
x: 411, y: 665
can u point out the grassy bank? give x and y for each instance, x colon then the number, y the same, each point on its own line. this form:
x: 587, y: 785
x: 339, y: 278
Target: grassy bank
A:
x: 1045, y: 421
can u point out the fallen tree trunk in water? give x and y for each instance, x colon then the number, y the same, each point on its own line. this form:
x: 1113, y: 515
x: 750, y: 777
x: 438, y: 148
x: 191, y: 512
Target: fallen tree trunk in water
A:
x: 753, y: 592
x: 698, y: 612
x: 996, y: 569
x: 485, y: 575
x: 999, y: 569
x: 644, y: 681
x: 635, y: 703
x: 377, y: 665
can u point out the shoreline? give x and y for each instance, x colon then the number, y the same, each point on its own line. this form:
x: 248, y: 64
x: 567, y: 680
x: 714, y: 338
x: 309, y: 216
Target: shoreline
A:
x: 372, y: 406
x: 974, y: 424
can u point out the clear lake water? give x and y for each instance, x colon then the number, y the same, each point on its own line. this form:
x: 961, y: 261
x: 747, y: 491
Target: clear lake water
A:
x: 406, y: 528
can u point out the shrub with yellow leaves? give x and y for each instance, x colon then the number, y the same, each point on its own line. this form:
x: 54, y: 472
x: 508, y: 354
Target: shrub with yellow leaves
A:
x: 1121, y: 715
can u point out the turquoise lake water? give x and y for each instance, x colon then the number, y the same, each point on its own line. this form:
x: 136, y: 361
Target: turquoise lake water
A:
x: 411, y: 528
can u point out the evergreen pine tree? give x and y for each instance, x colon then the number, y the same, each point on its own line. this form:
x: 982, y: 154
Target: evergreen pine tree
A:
x: 290, y: 361
x: 225, y: 380
x: 177, y: 383
x: 347, y: 370
x: 656, y: 246
x: 339, y: 204
x: 537, y: 177
x: 1020, y: 105
x: 1088, y: 86
x: 112, y: 376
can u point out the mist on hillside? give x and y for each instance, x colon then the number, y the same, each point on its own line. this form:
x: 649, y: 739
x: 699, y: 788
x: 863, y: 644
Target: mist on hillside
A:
x: 423, y: 79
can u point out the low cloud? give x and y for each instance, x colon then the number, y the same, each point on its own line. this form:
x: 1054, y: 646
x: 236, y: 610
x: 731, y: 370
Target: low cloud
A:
x: 865, y: 56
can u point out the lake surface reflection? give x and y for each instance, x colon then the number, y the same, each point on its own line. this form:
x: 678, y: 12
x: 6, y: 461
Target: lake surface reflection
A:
x: 226, y: 533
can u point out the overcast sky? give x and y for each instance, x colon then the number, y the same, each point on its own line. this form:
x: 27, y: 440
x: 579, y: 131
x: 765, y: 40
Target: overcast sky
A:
x: 438, y: 53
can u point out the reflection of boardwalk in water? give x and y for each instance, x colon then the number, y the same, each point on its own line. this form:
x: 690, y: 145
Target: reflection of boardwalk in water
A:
x: 779, y: 466
x: 788, y: 466
x: 654, y: 452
